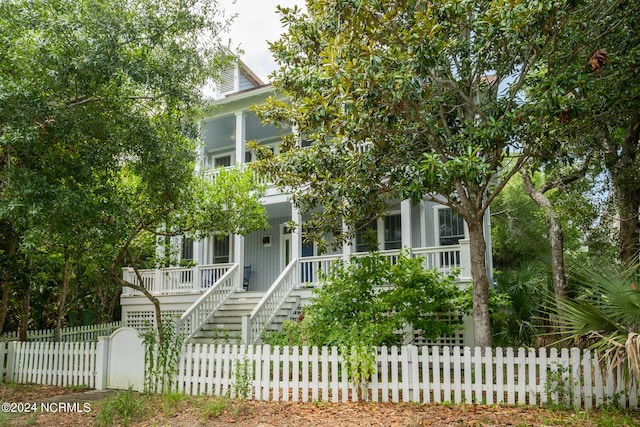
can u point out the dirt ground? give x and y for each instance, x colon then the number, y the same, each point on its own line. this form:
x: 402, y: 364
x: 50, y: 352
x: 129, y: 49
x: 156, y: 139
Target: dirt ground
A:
x: 84, y: 407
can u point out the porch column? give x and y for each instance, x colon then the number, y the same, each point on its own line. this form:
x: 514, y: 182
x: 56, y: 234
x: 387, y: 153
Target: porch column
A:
x: 200, y: 159
x: 405, y: 223
x: 238, y: 256
x: 296, y: 233
x: 465, y: 261
x: 206, y: 257
x: 240, y: 137
x: 347, y: 248
x: 423, y: 224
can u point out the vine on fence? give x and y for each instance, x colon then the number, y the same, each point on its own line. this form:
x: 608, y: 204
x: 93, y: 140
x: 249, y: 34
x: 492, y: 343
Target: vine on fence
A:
x: 161, y: 358
x: 360, y: 365
x: 243, y: 378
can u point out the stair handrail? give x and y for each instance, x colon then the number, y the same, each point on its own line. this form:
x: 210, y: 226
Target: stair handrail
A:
x: 267, y: 308
x: 205, y: 307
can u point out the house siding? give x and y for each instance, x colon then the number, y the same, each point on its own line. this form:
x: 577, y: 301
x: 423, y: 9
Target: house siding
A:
x: 264, y: 261
x: 244, y: 83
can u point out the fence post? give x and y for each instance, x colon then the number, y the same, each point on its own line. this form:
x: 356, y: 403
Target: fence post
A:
x: 3, y: 356
x: 11, y: 358
x: 245, y: 329
x: 102, y: 363
x: 465, y: 260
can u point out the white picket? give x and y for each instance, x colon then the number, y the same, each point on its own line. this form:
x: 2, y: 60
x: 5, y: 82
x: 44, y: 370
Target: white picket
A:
x: 533, y: 375
x: 305, y: 374
x: 415, y: 374
x: 477, y: 366
x: 276, y: 374
x: 404, y: 372
x: 335, y: 380
x: 69, y: 334
x: 426, y: 374
x: 295, y: 363
x: 3, y: 357
x: 286, y: 373
x: 435, y: 353
x: 324, y: 366
x: 384, y: 372
x: 468, y: 379
x: 344, y: 382
x: 426, y: 381
x: 489, y: 378
x: 395, y: 392
x: 446, y: 374
x: 314, y: 374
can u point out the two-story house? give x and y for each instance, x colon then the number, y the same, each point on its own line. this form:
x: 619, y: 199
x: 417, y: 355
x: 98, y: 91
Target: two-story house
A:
x: 241, y: 286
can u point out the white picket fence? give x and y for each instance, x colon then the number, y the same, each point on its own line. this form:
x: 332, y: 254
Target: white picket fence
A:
x: 406, y: 374
x: 409, y: 374
x: 71, y: 334
x: 59, y: 363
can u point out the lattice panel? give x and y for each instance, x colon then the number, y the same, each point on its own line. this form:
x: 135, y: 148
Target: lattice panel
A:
x: 141, y: 320
x: 457, y: 339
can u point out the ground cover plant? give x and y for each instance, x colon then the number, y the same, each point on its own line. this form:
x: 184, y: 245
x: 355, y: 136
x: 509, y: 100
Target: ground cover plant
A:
x: 181, y: 410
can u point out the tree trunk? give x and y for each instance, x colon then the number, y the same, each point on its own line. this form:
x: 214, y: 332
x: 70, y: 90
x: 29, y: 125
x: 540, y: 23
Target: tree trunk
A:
x: 4, y: 304
x: 66, y: 277
x: 10, y: 254
x: 481, y: 319
x: 623, y: 162
x: 150, y: 297
x: 629, y: 232
x: 25, y: 310
x: 555, y: 234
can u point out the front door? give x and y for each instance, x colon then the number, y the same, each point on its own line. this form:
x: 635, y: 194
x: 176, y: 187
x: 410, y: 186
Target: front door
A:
x: 285, y: 246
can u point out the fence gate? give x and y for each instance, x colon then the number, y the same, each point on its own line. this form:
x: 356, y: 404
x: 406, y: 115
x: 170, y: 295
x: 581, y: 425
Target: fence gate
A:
x: 126, y: 360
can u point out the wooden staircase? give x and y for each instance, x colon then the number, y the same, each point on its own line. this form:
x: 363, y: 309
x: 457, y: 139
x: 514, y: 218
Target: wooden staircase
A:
x: 226, y: 326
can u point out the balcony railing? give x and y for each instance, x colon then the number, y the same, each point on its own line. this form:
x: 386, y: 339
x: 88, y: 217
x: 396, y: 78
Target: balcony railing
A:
x: 445, y: 259
x: 175, y: 280
x: 196, y: 280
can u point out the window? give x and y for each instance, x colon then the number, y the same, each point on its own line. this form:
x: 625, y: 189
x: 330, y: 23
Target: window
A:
x: 220, y: 250
x: 248, y: 157
x: 392, y: 232
x: 187, y: 248
x: 367, y: 237
x: 451, y: 227
x: 222, y: 162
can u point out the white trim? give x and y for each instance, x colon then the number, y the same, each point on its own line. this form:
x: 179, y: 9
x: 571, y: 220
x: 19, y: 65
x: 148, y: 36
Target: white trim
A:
x: 210, y: 249
x: 285, y: 240
x: 436, y: 224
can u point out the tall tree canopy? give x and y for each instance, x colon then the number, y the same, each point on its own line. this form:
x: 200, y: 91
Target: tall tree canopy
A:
x: 97, y: 101
x: 408, y: 99
x: 590, y: 88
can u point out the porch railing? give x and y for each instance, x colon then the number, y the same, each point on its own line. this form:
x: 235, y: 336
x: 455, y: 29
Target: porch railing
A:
x: 443, y: 258
x: 254, y: 325
x: 175, y: 280
x: 206, y: 306
x: 314, y: 267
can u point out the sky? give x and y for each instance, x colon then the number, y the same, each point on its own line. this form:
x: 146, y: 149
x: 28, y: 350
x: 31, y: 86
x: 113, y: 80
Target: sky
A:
x: 256, y: 22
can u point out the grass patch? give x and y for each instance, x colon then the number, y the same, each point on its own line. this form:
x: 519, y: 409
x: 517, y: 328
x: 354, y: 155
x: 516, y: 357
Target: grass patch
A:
x: 122, y: 408
x: 170, y: 403
x: 213, y: 407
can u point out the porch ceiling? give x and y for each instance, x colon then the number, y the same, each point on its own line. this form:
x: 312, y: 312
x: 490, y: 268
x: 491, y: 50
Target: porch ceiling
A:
x: 279, y: 210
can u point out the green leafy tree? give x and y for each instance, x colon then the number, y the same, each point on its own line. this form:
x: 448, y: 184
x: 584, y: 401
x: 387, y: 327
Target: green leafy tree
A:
x: 94, y: 96
x: 357, y: 306
x: 589, y: 89
x: 228, y: 204
x: 408, y: 99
